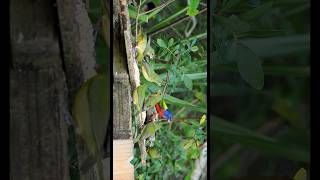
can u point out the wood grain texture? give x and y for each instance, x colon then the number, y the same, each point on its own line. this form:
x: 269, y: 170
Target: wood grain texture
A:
x: 122, y: 98
x: 122, y: 155
x: 38, y: 131
x: 121, y: 86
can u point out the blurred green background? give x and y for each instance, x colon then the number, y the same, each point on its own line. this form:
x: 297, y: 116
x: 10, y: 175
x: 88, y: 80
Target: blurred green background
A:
x: 260, y: 87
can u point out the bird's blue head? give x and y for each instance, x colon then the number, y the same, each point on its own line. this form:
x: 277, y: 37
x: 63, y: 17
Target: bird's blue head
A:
x: 168, y: 115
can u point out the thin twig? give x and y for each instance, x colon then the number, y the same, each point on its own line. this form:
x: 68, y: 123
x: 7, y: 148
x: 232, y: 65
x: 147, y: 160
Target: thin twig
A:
x: 159, y: 7
x: 177, y: 32
x: 137, y: 19
x: 175, y: 23
x: 165, y: 86
x: 194, y: 24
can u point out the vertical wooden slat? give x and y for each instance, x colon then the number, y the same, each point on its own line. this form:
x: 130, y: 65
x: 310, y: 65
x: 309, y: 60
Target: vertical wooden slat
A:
x: 122, y: 89
x: 38, y: 133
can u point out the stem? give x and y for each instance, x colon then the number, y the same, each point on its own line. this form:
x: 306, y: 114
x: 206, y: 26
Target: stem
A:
x: 159, y: 7
x: 166, y: 85
x: 174, y: 23
x: 198, y: 36
x: 137, y: 19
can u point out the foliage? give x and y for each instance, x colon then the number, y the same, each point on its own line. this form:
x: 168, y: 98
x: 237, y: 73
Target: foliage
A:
x: 173, y: 67
x: 260, y: 94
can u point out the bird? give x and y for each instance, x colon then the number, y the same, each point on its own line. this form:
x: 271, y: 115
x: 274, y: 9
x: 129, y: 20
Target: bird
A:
x: 163, y: 111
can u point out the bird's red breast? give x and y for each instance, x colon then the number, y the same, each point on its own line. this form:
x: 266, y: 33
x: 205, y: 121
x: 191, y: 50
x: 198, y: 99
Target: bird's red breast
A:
x: 159, y: 110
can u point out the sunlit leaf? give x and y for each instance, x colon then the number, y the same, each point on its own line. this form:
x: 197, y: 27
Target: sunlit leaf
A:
x: 192, y: 7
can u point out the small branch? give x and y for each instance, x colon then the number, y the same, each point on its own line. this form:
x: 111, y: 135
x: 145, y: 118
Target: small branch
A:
x: 174, y: 23
x: 177, y: 32
x: 137, y: 21
x: 159, y: 7
x: 194, y: 24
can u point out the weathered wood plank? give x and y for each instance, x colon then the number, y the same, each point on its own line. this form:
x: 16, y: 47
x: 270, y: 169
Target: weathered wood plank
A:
x: 122, y: 98
x: 121, y: 85
x: 38, y: 133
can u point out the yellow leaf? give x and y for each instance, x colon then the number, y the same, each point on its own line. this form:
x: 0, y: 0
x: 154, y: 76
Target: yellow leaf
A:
x: 82, y: 117
x: 138, y: 96
x: 135, y: 97
x: 141, y: 45
x: 91, y: 111
x: 149, y: 74
x: 153, y: 152
x: 301, y: 174
x: 203, y: 120
x: 163, y: 104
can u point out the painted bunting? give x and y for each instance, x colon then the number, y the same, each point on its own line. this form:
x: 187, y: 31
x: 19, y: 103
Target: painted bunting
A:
x: 163, y: 111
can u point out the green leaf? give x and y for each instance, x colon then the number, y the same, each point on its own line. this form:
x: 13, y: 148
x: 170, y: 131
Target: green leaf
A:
x: 234, y: 133
x: 279, y: 46
x: 187, y: 82
x: 150, y: 74
x: 201, y: 96
x: 260, y: 33
x: 227, y: 5
x: 192, y: 8
x: 161, y: 43
x: 153, y: 99
x: 154, y: 153
x: 149, y: 130
x: 257, y: 12
x: 194, y: 48
x: 173, y: 100
x: 166, y: 21
x: 249, y: 66
x: 233, y: 24
x: 197, y: 76
x: 179, y: 102
x: 193, y: 76
x: 170, y: 43
x: 274, y: 70
x: 133, y: 14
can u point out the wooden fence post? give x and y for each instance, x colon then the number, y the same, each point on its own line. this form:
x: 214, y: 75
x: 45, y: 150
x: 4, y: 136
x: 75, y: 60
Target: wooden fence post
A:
x: 126, y: 79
